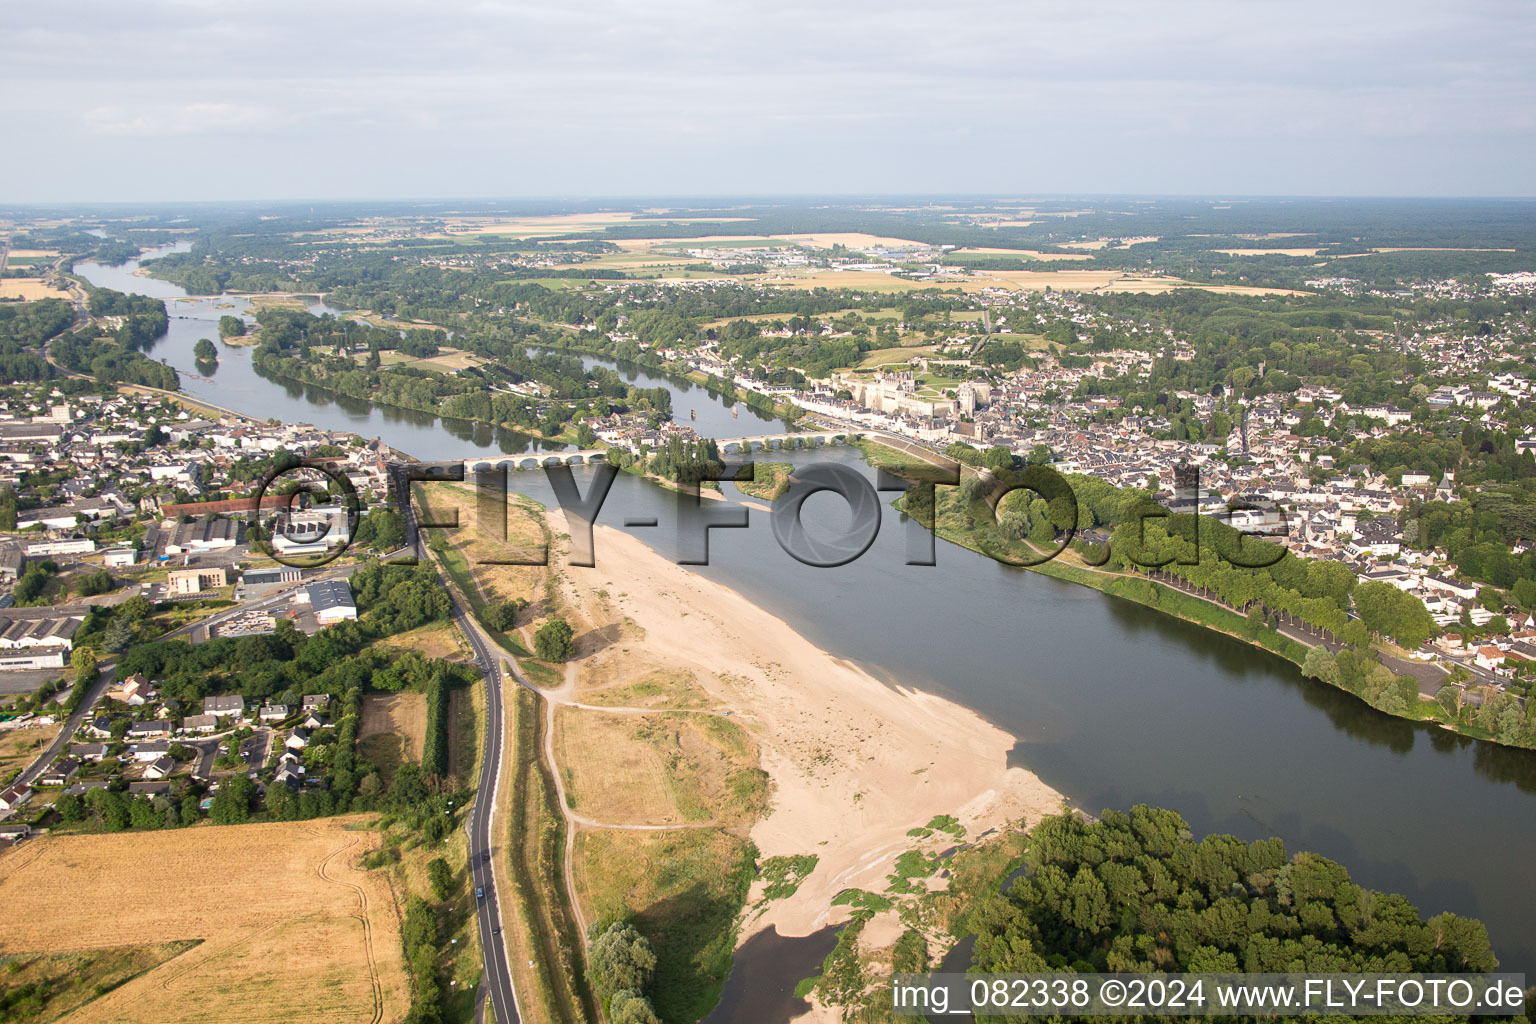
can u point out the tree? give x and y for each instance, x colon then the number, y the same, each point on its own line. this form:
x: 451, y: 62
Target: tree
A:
x: 441, y: 877
x: 231, y: 327
x: 502, y: 615
x: 232, y: 803
x: 205, y: 351
x: 622, y: 961
x: 554, y: 641
x: 83, y: 661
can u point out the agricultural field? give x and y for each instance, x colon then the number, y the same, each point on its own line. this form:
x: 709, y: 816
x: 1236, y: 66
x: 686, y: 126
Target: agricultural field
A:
x: 282, y: 915
x: 29, y: 289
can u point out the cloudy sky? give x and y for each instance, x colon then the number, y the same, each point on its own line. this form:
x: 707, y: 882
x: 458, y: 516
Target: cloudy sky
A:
x: 206, y: 99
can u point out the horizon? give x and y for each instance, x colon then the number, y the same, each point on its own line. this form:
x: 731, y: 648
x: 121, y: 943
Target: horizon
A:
x: 294, y: 101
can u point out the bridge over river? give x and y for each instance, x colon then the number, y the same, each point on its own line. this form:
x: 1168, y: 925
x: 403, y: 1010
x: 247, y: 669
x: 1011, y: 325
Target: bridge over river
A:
x: 727, y: 445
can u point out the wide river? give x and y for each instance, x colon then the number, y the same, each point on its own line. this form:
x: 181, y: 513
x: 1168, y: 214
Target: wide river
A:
x: 1113, y: 703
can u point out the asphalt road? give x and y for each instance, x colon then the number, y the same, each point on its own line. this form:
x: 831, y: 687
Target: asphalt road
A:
x: 498, y: 974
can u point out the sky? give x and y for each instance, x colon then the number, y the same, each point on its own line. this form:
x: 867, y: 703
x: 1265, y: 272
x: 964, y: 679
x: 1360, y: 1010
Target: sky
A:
x: 210, y: 100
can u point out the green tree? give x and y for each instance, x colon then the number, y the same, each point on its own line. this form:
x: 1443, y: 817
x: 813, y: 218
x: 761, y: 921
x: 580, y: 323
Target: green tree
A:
x: 621, y: 960
x: 441, y: 877
x: 205, y: 351
x: 554, y: 640
x: 83, y: 661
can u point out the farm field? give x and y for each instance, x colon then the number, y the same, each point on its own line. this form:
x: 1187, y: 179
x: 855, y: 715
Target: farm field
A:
x: 290, y: 928
x: 29, y: 289
x: 19, y: 746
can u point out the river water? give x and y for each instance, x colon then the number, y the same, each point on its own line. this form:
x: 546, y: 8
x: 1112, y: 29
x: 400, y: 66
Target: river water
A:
x: 1113, y: 703
x: 235, y: 384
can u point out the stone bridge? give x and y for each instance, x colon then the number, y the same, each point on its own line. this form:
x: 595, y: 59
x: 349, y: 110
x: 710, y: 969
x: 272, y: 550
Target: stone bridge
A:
x: 727, y: 445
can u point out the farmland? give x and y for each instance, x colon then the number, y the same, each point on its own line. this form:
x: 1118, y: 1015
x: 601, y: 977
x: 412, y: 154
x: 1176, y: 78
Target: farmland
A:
x: 283, y: 917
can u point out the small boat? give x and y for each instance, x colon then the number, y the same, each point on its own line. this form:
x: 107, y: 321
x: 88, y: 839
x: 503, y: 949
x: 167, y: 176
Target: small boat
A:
x: 734, y: 412
x: 693, y: 414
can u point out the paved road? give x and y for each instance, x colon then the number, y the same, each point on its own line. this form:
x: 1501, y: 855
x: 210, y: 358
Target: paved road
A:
x: 498, y: 973
x: 481, y: 824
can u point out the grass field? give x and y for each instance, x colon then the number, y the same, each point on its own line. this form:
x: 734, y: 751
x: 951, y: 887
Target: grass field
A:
x: 19, y: 746
x: 662, y: 690
x: 771, y: 480
x: 683, y: 890
x: 677, y: 768
x: 393, y: 729
x: 434, y: 640
x: 291, y: 929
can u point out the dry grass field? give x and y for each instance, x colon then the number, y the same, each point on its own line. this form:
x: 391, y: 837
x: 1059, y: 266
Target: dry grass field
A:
x: 291, y: 929
x: 434, y: 640
x: 480, y: 545
x: 393, y: 729
x: 659, y: 690
x: 658, y: 768
x: 19, y: 746
x: 29, y: 289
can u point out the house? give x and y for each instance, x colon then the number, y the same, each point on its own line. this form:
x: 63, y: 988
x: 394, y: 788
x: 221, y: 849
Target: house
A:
x: 331, y: 601
x: 298, y: 739
x: 274, y: 713
x: 1489, y: 657
x: 144, y: 730
x: 148, y: 788
x: 315, y: 702
x: 60, y: 773
x: 88, y: 751
x: 313, y: 721
x: 14, y: 833
x: 135, y: 690
x: 221, y: 706
x: 290, y: 773
x: 200, y: 723
x: 14, y: 797
x: 150, y: 750
x: 159, y: 768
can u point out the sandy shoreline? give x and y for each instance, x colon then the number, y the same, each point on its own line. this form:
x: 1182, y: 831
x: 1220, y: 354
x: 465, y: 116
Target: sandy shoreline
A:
x: 855, y: 763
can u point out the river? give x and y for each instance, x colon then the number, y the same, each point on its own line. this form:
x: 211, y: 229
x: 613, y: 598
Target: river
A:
x: 1113, y: 703
x: 235, y: 384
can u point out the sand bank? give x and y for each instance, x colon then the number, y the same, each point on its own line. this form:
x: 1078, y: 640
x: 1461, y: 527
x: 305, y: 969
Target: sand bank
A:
x: 855, y: 762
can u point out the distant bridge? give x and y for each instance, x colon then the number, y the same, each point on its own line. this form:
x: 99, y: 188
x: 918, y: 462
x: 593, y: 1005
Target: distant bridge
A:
x: 727, y: 445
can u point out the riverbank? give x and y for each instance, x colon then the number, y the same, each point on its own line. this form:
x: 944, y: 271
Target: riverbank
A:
x: 855, y: 763
x: 1182, y: 604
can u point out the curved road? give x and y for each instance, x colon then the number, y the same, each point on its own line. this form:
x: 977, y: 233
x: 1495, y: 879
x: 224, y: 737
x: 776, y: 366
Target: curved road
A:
x: 498, y: 974
x: 482, y: 814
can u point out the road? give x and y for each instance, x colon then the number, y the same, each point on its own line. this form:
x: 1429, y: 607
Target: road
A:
x: 481, y: 824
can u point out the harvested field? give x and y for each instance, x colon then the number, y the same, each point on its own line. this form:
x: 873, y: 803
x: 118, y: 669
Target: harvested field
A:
x: 393, y: 729
x: 29, y: 289
x: 292, y: 930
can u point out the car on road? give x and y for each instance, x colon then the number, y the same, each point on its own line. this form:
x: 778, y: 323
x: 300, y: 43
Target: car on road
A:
x: 486, y: 856
x: 480, y: 892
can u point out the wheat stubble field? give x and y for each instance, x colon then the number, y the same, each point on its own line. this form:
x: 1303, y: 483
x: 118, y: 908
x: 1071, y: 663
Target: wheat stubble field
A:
x: 292, y: 928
